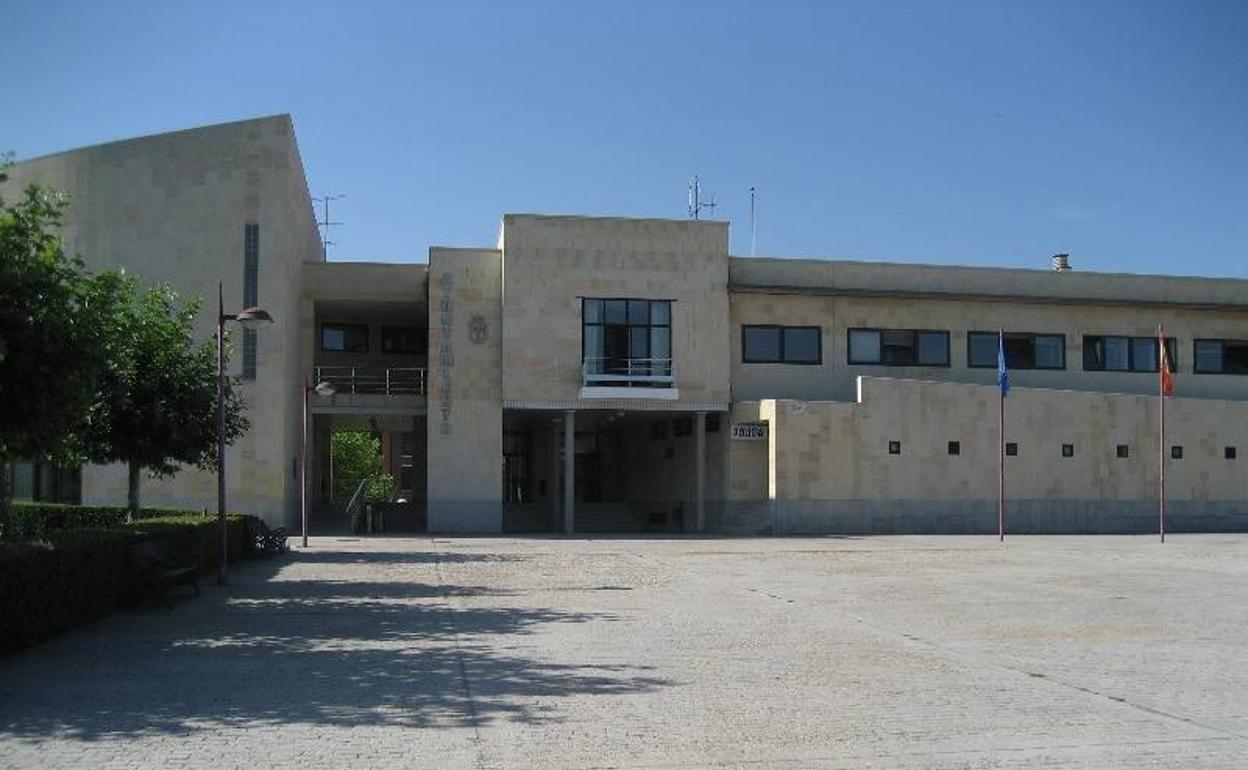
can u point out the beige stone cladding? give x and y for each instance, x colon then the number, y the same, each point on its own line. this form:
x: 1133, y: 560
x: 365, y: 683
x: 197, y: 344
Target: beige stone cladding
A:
x: 465, y: 390
x: 838, y: 296
x: 550, y: 263
x: 172, y: 208
x: 830, y: 467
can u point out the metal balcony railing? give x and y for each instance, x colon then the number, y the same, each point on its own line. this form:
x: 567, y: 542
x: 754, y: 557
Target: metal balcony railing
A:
x: 403, y: 381
x: 628, y: 373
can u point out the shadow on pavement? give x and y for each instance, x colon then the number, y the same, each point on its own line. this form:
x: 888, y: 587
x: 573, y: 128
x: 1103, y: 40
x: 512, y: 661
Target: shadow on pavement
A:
x: 283, y: 650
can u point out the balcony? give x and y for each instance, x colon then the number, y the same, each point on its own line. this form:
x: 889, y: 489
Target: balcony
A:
x: 376, y: 381
x: 650, y: 378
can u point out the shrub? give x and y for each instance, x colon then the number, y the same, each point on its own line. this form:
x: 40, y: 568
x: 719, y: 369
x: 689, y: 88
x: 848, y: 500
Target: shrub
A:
x: 34, y: 520
x: 65, y: 580
x: 72, y: 576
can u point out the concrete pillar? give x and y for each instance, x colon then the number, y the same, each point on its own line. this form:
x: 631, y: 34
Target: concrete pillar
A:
x: 569, y: 471
x: 699, y: 430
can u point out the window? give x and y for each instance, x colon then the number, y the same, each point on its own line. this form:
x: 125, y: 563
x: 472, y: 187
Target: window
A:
x: 781, y: 345
x: 1228, y: 452
x: 899, y: 347
x: 955, y: 447
x: 1011, y: 449
x: 894, y: 447
x: 1124, y: 450
x: 1023, y: 350
x: 1068, y: 450
x: 347, y: 338
x: 682, y: 426
x: 251, y: 291
x: 402, y: 339
x: 712, y: 422
x: 1221, y: 356
x: 630, y: 337
x: 1124, y: 354
x: 1176, y: 452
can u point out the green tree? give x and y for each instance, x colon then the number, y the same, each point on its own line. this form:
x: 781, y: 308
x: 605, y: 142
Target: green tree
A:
x: 356, y: 456
x: 51, y: 352
x: 156, y: 403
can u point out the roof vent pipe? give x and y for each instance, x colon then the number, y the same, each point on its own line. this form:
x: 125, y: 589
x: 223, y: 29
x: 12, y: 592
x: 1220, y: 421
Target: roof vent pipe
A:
x: 1061, y: 262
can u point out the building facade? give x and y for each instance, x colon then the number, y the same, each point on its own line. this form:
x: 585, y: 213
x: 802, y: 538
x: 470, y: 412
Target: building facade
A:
x: 591, y: 374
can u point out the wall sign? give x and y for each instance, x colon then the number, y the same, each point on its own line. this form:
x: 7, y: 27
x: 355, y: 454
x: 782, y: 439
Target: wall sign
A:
x: 749, y: 431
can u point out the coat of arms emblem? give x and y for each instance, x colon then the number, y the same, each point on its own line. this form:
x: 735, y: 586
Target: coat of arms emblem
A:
x: 478, y: 329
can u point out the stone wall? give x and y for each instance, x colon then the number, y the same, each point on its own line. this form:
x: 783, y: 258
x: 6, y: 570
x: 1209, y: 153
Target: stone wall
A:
x: 830, y: 469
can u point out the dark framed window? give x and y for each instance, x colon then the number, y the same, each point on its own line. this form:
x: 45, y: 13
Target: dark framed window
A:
x: 894, y: 447
x: 346, y: 338
x: 403, y: 339
x: 1011, y: 449
x: 1108, y: 353
x: 1068, y: 450
x: 768, y: 344
x: 1123, y: 450
x: 1228, y: 452
x: 251, y: 294
x: 1023, y: 350
x: 898, y: 347
x: 955, y: 447
x: 627, y: 336
x: 1176, y: 452
x: 1220, y: 356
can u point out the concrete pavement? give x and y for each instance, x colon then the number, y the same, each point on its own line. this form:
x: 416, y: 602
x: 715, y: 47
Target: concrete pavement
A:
x: 900, y: 652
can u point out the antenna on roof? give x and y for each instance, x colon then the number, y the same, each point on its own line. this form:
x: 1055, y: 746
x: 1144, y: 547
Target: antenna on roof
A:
x: 753, y: 229
x: 326, y: 223
x: 695, y: 199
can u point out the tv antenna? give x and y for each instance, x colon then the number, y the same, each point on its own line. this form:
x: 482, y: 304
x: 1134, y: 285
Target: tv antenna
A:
x: 695, y: 199
x: 325, y: 223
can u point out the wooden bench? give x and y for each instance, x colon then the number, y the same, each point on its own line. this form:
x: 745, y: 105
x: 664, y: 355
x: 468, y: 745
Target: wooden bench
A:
x: 159, y: 568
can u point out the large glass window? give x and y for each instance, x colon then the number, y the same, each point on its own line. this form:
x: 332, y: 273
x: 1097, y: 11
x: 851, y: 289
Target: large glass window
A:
x: 1023, y: 350
x: 347, y: 338
x: 899, y: 347
x: 1221, y: 356
x: 767, y: 344
x: 627, y: 337
x: 1123, y: 354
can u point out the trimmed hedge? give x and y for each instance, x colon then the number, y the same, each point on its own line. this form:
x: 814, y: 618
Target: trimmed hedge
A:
x: 72, y: 576
x: 35, y: 520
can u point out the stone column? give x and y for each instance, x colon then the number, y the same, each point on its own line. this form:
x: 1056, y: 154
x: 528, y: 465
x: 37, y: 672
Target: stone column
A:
x: 699, y: 429
x: 569, y: 471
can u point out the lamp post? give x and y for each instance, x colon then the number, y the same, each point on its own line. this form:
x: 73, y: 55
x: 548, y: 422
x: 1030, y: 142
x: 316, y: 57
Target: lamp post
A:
x: 245, y: 316
x: 326, y: 390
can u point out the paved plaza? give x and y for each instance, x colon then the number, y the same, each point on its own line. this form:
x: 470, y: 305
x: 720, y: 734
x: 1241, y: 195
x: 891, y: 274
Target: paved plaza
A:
x: 902, y: 652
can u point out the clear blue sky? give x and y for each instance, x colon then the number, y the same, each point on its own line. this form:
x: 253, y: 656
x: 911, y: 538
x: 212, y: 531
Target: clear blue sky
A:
x: 992, y: 133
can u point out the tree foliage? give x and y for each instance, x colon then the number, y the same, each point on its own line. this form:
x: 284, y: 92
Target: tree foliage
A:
x: 155, y: 408
x: 356, y: 457
x: 51, y: 350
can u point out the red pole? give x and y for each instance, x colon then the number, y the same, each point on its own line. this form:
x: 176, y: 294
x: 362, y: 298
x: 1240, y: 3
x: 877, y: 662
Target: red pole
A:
x: 303, y: 467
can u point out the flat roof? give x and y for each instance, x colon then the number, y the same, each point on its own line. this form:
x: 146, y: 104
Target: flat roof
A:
x: 891, y: 279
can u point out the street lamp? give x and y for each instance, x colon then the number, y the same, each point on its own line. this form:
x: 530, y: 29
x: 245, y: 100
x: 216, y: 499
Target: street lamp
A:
x: 245, y: 317
x: 323, y: 389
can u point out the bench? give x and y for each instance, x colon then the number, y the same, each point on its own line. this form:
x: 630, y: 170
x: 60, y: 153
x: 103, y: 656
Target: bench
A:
x: 160, y: 568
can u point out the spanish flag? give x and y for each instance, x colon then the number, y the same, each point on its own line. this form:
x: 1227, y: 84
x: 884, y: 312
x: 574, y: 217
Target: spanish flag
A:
x: 1167, y: 379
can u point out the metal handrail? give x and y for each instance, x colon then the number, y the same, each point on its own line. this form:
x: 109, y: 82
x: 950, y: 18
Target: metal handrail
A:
x: 354, y: 504
x: 388, y: 381
x: 652, y: 372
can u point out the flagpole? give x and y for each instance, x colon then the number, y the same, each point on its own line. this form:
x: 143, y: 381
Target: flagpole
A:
x: 1162, y: 366
x: 1001, y: 442
x: 1001, y: 471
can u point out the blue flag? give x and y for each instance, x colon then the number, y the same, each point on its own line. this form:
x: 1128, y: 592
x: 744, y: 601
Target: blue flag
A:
x: 1003, y: 374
